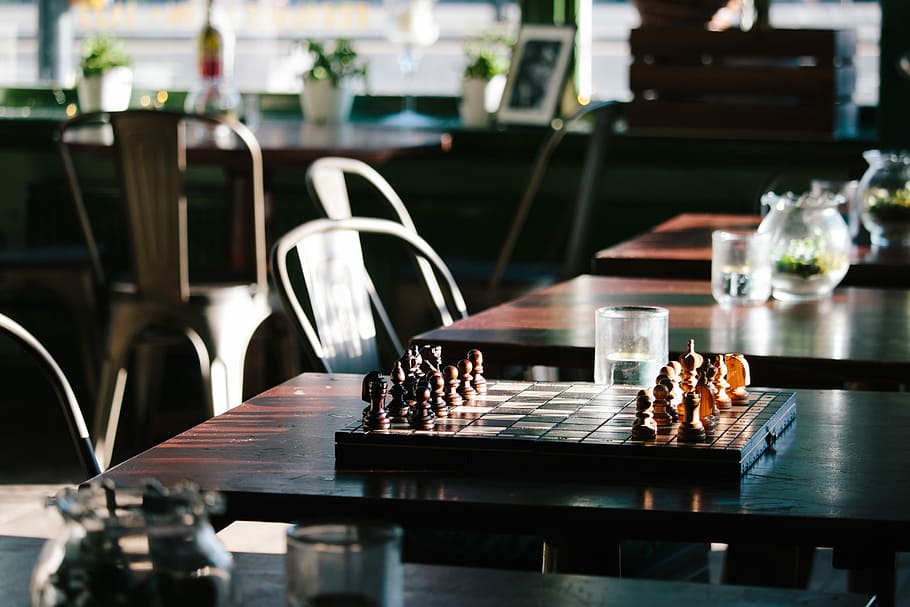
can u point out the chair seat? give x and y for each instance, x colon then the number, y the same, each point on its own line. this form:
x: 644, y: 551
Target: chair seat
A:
x: 199, y: 293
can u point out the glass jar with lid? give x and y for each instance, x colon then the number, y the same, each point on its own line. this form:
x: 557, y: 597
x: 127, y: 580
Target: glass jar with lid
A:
x: 810, y: 244
x: 145, y: 548
x: 884, y: 198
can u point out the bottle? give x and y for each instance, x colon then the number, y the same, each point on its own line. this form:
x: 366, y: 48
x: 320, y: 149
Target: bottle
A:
x: 215, y: 94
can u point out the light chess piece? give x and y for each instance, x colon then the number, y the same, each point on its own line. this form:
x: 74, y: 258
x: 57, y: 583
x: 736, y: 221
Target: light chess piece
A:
x: 690, y: 361
x: 721, y: 398
x: 738, y: 377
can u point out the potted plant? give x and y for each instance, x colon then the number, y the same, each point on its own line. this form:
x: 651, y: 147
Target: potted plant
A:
x: 328, y: 85
x: 106, y: 81
x: 484, y: 78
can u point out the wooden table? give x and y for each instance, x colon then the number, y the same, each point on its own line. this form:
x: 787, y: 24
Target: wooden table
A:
x: 681, y: 248
x: 857, y: 336
x: 836, y: 478
x: 261, y: 581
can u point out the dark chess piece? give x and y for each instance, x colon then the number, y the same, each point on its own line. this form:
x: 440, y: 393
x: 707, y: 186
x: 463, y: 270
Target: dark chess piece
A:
x: 422, y: 416
x: 432, y: 358
x: 437, y: 394
x: 464, y: 379
x: 707, y: 411
x: 377, y: 418
x: 672, y: 407
x: 478, y: 382
x: 660, y: 405
x: 398, y: 408
x: 450, y: 375
x: 365, y: 391
x: 644, y: 427
x: 412, y: 361
x: 690, y: 428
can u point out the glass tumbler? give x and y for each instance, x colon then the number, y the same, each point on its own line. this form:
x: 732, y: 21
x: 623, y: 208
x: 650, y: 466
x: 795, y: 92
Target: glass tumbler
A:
x: 631, y: 345
x: 740, y: 267
x: 350, y: 564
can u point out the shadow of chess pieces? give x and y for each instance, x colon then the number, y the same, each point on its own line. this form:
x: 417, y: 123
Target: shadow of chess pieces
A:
x: 738, y: 378
x: 398, y: 408
x: 451, y: 377
x: 422, y: 416
x: 465, y: 379
x: 690, y: 428
x: 478, y: 382
x: 644, y: 427
x: 377, y: 418
x: 660, y: 404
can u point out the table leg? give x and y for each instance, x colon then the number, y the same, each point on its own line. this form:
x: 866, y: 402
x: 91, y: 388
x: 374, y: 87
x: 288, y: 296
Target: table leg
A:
x: 869, y: 570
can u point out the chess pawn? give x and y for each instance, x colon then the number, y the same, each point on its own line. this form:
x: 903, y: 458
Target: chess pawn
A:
x: 706, y: 409
x: 422, y: 417
x: 738, y: 377
x: 377, y: 418
x: 671, y: 372
x: 691, y: 429
x: 398, y: 408
x: 690, y: 361
x: 660, y: 404
x: 450, y: 375
x: 368, y: 379
x: 672, y: 407
x: 479, y: 382
x: 644, y: 427
x: 721, y: 398
x: 465, y: 379
x: 437, y: 394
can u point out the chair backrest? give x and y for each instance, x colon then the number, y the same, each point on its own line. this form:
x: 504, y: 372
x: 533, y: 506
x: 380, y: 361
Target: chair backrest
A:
x: 605, y: 115
x: 150, y: 153
x: 331, y: 305
x: 327, y: 184
x: 71, y: 410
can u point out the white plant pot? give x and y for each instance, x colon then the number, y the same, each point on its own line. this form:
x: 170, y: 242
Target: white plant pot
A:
x: 109, y: 92
x: 323, y: 103
x: 480, y: 99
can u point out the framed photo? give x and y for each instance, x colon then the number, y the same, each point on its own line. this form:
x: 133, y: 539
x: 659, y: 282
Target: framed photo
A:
x: 537, y: 74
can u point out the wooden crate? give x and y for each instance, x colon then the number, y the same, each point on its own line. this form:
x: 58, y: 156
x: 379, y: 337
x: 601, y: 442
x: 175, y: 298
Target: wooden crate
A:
x: 770, y: 81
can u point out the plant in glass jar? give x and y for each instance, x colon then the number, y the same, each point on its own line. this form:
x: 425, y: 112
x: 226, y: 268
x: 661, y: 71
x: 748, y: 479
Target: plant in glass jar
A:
x: 884, y: 198
x: 106, y: 81
x: 810, y: 245
x: 328, y: 84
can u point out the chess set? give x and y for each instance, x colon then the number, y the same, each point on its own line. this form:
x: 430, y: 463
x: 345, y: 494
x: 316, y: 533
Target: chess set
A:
x: 698, y: 422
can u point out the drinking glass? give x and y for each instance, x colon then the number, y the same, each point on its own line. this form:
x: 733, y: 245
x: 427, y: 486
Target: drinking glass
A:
x: 631, y: 345
x: 740, y: 267
x: 413, y: 26
x: 351, y: 564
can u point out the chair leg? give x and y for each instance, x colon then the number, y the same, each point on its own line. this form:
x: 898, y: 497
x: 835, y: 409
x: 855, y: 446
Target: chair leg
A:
x: 107, y: 410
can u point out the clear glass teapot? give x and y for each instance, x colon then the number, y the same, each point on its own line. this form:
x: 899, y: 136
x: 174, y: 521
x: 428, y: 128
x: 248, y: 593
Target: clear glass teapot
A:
x: 883, y: 198
x: 810, y: 244
x: 148, y: 548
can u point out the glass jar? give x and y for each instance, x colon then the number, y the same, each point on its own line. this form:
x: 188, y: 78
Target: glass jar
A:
x: 149, y: 548
x: 884, y: 198
x: 810, y: 244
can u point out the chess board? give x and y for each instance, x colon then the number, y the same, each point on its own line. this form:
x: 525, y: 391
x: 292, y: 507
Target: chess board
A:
x: 568, y: 428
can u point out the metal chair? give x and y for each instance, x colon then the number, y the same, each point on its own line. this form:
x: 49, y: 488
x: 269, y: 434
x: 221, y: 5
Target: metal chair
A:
x: 159, y: 296
x: 327, y: 181
x: 70, y: 404
x: 606, y: 114
x: 320, y: 273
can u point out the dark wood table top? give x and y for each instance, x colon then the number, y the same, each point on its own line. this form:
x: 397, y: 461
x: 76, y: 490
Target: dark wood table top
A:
x: 261, y: 581
x: 858, y: 335
x: 836, y: 477
x: 681, y: 248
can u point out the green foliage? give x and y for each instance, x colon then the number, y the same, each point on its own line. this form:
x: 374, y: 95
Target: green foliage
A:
x: 335, y: 65
x: 487, y: 55
x: 101, y: 52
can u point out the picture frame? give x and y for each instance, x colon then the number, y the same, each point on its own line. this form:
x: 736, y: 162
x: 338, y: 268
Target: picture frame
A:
x: 537, y: 74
